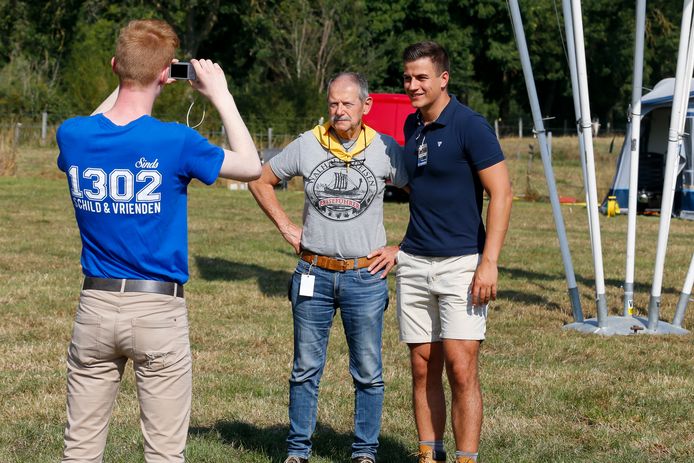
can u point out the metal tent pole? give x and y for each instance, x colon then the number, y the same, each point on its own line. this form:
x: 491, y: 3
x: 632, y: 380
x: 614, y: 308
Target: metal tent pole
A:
x: 684, y: 296
x: 571, y: 50
x: 679, y: 106
x: 635, y: 117
x: 517, y: 22
x: 586, y: 126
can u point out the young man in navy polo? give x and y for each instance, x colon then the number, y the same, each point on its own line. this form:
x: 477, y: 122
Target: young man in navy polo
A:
x: 447, y: 264
x: 128, y: 175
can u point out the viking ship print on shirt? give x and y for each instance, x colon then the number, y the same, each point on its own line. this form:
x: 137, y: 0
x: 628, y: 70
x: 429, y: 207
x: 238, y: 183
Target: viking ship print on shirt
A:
x: 340, y: 192
x: 340, y: 186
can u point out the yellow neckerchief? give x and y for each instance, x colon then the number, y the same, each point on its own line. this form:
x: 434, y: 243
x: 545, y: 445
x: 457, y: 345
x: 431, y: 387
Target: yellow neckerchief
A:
x: 330, y: 142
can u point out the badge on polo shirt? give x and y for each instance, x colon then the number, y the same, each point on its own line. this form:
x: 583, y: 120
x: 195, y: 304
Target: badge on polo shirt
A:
x: 422, y: 153
x: 306, y: 285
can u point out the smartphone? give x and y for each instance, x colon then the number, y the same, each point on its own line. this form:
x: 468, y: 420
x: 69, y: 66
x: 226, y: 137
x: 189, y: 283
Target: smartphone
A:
x: 182, y: 71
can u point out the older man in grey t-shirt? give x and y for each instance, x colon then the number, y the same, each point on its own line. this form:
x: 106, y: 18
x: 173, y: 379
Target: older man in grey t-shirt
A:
x: 343, y: 257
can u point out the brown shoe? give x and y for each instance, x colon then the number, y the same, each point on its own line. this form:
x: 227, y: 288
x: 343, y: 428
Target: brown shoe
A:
x: 426, y: 455
x: 464, y: 460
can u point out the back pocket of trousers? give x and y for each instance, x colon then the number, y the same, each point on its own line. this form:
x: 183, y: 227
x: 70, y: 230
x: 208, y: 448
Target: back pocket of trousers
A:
x: 84, y: 346
x: 158, y: 343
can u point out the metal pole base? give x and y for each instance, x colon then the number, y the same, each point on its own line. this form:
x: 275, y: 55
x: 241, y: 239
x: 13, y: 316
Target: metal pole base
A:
x: 620, y: 326
x: 628, y: 300
x: 653, y: 312
x: 681, y: 309
x: 576, y: 304
x: 601, y: 302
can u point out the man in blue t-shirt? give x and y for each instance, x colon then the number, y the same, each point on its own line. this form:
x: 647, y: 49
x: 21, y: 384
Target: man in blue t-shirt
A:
x: 447, y: 264
x: 128, y: 175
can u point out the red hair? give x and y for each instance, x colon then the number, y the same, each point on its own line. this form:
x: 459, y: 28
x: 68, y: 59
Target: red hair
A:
x: 144, y: 48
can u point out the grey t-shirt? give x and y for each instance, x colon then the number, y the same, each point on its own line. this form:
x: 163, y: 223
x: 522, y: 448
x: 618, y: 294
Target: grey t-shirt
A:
x: 343, y: 206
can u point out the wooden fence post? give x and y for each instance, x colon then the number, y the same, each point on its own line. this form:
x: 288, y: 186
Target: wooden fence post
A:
x: 44, y: 127
x: 17, y: 132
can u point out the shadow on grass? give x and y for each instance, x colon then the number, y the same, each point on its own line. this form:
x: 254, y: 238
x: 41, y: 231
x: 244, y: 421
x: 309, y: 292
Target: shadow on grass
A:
x: 583, y: 282
x: 528, y: 298
x: 271, y: 282
x: 271, y: 441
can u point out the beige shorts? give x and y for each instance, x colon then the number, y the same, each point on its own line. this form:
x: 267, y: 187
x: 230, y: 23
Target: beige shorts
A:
x: 434, y: 300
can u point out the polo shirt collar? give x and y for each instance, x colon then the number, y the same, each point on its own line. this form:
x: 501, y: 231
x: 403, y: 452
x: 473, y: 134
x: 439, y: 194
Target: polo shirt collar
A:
x: 445, y: 116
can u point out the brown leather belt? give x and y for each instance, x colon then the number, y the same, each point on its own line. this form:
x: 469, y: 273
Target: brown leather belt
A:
x: 336, y: 265
x: 133, y: 286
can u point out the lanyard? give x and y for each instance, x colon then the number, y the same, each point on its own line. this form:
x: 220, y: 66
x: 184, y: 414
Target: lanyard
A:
x: 422, y: 151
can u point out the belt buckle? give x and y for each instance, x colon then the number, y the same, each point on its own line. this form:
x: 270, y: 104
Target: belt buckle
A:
x: 344, y: 264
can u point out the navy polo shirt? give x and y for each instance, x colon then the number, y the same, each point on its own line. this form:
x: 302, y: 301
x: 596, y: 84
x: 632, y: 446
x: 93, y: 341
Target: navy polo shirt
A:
x: 446, y: 193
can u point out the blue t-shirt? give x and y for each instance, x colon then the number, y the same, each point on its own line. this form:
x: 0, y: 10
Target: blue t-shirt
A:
x: 128, y: 185
x: 446, y: 193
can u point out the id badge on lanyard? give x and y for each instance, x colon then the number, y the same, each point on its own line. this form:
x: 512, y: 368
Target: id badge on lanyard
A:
x: 307, y: 282
x: 422, y: 153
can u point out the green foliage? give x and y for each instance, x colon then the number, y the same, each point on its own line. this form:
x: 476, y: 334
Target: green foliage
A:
x: 26, y: 86
x: 662, y: 38
x: 36, y: 28
x: 289, y: 107
x: 194, y: 20
x: 34, y: 38
x: 279, y: 54
x: 298, y: 45
x: 87, y: 75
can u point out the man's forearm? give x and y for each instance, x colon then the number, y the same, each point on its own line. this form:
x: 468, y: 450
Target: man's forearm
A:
x: 498, y: 217
x: 245, y: 164
x: 497, y: 184
x: 108, y: 103
x: 264, y: 194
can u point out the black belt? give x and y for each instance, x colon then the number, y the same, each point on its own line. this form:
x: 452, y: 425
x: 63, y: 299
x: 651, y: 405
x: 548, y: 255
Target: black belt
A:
x: 133, y: 286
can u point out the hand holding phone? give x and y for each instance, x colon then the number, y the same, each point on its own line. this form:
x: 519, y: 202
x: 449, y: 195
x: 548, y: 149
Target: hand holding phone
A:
x: 210, y: 81
x: 182, y: 71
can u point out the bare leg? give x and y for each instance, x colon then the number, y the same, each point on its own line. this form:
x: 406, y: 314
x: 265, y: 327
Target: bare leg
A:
x: 466, y: 408
x: 427, y: 390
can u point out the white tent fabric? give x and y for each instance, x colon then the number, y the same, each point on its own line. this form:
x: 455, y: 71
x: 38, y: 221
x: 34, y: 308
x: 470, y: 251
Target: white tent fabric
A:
x: 656, y: 107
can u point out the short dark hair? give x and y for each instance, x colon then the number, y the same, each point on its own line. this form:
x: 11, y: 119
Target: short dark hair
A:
x: 432, y: 50
x: 356, y: 77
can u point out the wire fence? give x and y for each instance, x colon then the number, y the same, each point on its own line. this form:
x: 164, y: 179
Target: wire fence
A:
x: 33, y: 130
x: 524, y: 128
x: 31, y: 133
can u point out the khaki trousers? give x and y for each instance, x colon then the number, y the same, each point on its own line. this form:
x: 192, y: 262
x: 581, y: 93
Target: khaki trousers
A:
x: 152, y: 331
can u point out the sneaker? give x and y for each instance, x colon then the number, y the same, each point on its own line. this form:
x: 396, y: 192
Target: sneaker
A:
x: 426, y: 455
x: 295, y: 459
x: 363, y: 459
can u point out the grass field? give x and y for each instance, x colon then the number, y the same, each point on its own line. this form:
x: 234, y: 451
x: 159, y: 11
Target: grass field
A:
x: 550, y: 395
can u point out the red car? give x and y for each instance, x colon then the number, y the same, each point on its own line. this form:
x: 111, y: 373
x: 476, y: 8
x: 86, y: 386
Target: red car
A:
x: 387, y: 116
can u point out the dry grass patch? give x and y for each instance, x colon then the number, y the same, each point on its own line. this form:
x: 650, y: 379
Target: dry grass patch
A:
x: 8, y: 153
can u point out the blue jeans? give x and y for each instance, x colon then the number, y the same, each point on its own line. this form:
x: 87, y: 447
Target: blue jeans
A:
x: 362, y: 298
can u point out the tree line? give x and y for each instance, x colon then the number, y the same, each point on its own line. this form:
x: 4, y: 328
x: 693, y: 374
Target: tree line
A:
x: 279, y: 54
